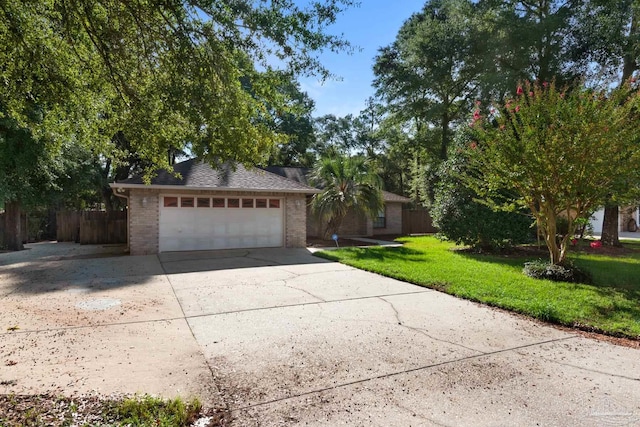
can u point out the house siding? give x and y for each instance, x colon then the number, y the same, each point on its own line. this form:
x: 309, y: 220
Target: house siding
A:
x: 295, y: 221
x: 143, y: 222
x: 393, y: 214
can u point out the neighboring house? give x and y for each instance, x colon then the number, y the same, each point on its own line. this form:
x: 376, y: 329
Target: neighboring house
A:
x: 224, y: 208
x: 628, y: 219
x: 389, y: 220
x: 214, y: 209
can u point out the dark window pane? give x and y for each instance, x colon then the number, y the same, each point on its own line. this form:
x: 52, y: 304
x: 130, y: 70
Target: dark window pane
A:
x: 186, y: 202
x: 274, y: 203
x: 233, y: 203
x: 170, y: 202
x: 218, y: 202
x: 203, y: 202
x: 261, y: 203
x: 247, y: 203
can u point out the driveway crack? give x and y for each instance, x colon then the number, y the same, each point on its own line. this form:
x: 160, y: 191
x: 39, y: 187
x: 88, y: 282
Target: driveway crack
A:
x: 287, y: 285
x: 424, y: 331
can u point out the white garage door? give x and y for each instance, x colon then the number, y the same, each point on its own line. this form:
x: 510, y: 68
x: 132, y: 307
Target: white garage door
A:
x: 190, y: 223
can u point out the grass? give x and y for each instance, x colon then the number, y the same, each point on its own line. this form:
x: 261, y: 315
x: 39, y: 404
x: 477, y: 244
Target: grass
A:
x: 610, y: 305
x: 153, y: 411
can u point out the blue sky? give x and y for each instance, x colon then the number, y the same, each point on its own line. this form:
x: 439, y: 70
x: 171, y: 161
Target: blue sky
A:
x: 374, y: 24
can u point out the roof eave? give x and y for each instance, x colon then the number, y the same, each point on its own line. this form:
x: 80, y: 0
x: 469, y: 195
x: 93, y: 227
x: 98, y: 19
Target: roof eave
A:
x: 115, y: 185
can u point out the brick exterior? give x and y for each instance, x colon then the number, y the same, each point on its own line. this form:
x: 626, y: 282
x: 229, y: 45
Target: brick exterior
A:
x: 354, y: 225
x: 295, y: 221
x: 143, y: 222
x: 393, y: 214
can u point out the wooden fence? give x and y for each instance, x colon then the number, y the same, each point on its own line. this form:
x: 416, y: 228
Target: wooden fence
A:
x: 417, y: 221
x: 92, y: 227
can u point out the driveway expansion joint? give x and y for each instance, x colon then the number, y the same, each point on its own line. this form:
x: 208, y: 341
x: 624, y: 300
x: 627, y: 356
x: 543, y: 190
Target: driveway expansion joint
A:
x: 397, y: 373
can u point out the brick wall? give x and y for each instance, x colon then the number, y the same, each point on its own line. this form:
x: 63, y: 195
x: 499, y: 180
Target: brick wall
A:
x: 295, y: 221
x: 353, y: 225
x: 393, y: 213
x: 143, y: 222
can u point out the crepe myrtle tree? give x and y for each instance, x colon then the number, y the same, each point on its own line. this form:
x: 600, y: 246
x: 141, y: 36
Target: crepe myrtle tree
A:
x: 349, y: 184
x: 560, y: 151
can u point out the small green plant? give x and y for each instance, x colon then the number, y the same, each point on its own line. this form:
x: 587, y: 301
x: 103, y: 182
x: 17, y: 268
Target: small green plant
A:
x: 566, y: 272
x: 152, y: 411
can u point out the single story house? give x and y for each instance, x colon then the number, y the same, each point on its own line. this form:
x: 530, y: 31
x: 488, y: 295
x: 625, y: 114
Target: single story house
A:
x: 228, y: 208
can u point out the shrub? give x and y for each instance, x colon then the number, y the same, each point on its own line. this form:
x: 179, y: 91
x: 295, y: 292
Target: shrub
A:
x: 558, y: 273
x: 462, y: 219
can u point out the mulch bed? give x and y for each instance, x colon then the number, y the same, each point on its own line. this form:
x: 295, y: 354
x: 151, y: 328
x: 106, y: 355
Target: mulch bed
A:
x: 524, y: 251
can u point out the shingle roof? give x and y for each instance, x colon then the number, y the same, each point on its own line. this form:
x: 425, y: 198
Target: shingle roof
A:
x: 300, y: 174
x: 197, y: 174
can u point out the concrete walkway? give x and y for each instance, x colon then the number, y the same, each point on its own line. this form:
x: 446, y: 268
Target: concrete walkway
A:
x: 279, y: 337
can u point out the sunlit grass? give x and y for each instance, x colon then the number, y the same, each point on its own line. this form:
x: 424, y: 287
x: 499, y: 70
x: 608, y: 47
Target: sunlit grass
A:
x: 611, y: 304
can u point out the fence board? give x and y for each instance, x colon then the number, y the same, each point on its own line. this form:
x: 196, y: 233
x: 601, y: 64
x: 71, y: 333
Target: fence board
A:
x: 68, y: 226
x: 98, y: 227
x: 92, y: 227
x: 416, y: 221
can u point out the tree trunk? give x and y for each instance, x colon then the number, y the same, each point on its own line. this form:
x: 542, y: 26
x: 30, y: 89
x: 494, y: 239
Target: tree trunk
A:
x: 610, y: 227
x: 13, y: 226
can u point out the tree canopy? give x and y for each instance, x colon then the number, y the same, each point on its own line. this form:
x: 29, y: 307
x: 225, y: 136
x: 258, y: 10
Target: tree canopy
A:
x: 559, y: 152
x: 201, y: 72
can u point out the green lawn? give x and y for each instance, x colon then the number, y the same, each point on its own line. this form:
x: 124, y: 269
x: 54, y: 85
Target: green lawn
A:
x: 611, y: 305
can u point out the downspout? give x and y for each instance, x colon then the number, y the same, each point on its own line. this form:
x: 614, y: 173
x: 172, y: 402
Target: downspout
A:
x: 117, y: 194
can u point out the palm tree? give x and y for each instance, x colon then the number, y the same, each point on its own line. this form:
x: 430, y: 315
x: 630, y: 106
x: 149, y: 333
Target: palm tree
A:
x: 349, y: 184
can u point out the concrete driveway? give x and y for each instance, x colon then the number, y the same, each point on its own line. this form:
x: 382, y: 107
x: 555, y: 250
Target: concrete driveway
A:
x: 279, y: 337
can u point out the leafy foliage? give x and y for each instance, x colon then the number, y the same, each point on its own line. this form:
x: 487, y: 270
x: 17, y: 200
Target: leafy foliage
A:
x: 164, y: 73
x: 460, y: 217
x: 558, y: 273
x: 558, y: 151
x: 348, y: 184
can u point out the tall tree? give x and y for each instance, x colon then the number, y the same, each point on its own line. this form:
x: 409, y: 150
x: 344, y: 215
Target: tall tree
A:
x: 163, y: 73
x: 430, y: 75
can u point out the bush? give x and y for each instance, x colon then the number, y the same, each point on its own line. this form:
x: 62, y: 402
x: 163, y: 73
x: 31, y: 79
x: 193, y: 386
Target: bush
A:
x: 462, y: 219
x: 558, y: 273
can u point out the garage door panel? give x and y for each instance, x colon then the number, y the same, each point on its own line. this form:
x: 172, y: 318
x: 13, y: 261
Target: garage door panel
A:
x: 220, y: 228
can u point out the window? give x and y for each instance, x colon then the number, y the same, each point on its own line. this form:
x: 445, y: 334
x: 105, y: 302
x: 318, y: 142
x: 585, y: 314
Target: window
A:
x: 380, y: 221
x: 203, y: 202
x: 233, y: 203
x: 261, y: 203
x: 247, y: 203
x: 186, y: 202
x: 170, y: 202
x: 274, y: 203
x: 218, y: 202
